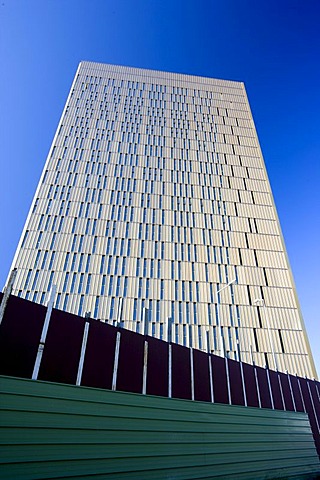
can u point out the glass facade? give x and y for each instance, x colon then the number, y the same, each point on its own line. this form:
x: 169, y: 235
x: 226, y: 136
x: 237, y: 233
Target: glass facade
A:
x: 153, y: 198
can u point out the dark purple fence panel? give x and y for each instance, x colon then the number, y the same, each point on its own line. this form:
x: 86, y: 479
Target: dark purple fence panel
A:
x: 236, y: 388
x: 99, y: 357
x: 20, y: 333
x: 276, y: 393
x: 61, y: 354
x: 315, y: 398
x: 201, y: 376
x: 296, y: 394
x: 158, y: 367
x: 310, y: 411
x: 263, y: 387
x: 220, y: 388
x: 316, y: 404
x: 251, y: 386
x: 286, y: 391
x: 130, y: 368
x: 317, y: 385
x: 181, y: 378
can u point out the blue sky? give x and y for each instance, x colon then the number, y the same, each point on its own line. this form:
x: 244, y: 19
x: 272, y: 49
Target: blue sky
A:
x: 271, y: 45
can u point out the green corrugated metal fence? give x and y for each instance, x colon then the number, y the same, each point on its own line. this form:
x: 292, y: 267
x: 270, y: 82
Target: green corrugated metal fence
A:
x: 51, y: 430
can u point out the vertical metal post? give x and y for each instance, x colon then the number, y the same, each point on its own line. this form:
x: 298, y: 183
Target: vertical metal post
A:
x: 44, y: 333
x: 242, y: 376
x: 145, y: 368
x: 257, y: 384
x: 270, y: 389
x: 301, y: 395
x: 210, y: 378
x: 281, y: 391
x: 116, y: 362
x: 210, y: 366
x: 222, y: 352
x: 291, y: 391
x: 228, y: 380
x: 317, y: 390
x: 170, y: 372
x: 83, y: 352
x: 255, y: 376
x: 7, y: 293
x: 312, y: 403
x: 192, y: 373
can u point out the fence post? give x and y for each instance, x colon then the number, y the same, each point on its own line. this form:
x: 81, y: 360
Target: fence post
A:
x: 301, y: 395
x: 255, y: 376
x: 291, y: 391
x: 270, y: 389
x: 116, y: 362
x: 210, y: 366
x: 7, y: 293
x: 281, y: 391
x: 170, y: 371
x: 242, y: 376
x: 228, y: 380
x: 192, y: 373
x: 145, y: 368
x: 44, y: 333
x: 312, y: 403
x: 210, y: 378
x: 83, y: 352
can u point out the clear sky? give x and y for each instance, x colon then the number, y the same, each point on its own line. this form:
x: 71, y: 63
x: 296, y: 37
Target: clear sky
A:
x: 273, y: 46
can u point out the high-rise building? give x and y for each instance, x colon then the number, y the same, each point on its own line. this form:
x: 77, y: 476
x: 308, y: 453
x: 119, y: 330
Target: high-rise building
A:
x: 154, y: 197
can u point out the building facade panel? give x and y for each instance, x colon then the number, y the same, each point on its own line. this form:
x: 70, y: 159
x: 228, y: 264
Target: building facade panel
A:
x: 155, y: 196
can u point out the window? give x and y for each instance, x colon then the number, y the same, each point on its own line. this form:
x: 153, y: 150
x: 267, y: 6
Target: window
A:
x: 125, y: 286
x: 102, y: 263
x: 35, y: 280
x: 80, y: 283
x: 38, y: 240
x: 25, y: 238
x: 110, y: 286
x: 81, y: 305
x: 96, y: 308
x: 103, y: 285
x: 65, y: 303
x: 73, y: 282
x: 27, y: 279
x: 281, y: 341
x: 37, y: 259
x: 88, y: 284
x: 118, y: 286
x: 88, y: 263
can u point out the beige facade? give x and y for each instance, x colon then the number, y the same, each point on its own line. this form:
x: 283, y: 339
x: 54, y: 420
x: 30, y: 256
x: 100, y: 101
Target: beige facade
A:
x: 155, y: 196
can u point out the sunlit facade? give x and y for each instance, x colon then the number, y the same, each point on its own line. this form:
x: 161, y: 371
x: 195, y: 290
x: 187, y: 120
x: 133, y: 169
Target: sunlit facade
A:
x: 155, y: 196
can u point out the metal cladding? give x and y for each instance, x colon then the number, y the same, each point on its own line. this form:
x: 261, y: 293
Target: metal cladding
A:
x: 62, y: 431
x: 155, y: 197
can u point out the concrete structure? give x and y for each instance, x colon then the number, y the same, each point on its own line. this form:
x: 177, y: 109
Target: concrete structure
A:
x: 154, y: 197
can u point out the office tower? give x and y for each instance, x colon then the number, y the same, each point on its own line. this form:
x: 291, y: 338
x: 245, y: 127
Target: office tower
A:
x: 154, y: 197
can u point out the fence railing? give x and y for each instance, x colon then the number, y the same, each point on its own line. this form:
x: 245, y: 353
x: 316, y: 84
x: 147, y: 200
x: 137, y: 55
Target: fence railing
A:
x: 42, y: 343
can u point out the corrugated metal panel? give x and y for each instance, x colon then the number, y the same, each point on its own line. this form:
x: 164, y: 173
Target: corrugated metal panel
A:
x: 60, y: 431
